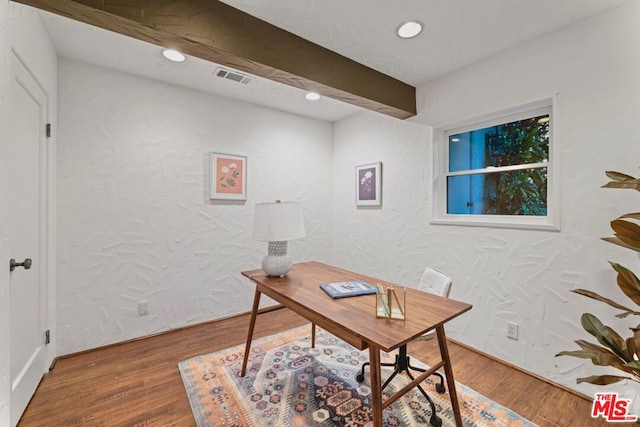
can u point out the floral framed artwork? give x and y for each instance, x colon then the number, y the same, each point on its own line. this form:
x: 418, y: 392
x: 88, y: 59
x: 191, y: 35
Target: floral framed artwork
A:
x: 228, y: 176
x: 369, y: 184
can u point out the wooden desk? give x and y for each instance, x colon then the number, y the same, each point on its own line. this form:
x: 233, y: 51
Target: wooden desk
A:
x: 354, y: 321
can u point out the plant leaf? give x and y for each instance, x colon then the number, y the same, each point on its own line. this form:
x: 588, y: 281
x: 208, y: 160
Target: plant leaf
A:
x: 632, y: 349
x: 594, y: 326
x: 595, y: 296
x: 634, y: 215
x: 619, y: 342
x: 627, y: 231
x: 600, y: 356
x: 634, y: 365
x: 618, y: 176
x: 601, y: 379
x: 627, y: 314
x: 633, y: 344
x: 630, y: 184
x: 619, y: 242
x: 596, y: 358
x: 628, y: 282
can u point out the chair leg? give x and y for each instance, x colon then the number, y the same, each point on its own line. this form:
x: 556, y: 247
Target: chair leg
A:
x: 403, y: 364
x: 440, y: 388
x: 435, y: 420
x: 313, y: 335
x: 360, y: 376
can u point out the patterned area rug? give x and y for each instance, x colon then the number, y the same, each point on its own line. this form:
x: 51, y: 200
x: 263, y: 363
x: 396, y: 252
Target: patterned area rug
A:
x: 290, y: 384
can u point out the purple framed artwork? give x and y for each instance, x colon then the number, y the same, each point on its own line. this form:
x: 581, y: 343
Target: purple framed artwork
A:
x: 369, y: 184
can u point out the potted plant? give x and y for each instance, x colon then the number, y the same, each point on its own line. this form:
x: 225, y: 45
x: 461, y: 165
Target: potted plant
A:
x: 612, y: 349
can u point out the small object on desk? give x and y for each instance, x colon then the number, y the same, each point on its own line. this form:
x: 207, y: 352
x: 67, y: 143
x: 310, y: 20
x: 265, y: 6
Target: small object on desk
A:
x: 391, y: 303
x: 350, y: 288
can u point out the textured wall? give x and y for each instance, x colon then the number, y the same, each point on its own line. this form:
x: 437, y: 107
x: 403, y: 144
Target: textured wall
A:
x: 134, y: 223
x: 509, y: 275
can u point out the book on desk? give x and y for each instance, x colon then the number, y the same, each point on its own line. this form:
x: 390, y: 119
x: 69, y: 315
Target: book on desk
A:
x: 350, y: 288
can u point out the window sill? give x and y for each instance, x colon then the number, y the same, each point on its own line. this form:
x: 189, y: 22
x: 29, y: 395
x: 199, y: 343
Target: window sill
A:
x: 503, y: 221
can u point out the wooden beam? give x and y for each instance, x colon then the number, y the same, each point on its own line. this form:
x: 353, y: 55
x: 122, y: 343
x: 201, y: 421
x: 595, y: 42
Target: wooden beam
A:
x: 217, y: 32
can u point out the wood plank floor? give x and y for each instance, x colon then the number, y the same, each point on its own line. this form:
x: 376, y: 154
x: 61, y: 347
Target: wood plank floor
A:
x: 138, y: 383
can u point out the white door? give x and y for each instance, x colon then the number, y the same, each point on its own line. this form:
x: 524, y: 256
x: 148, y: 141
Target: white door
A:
x: 27, y: 204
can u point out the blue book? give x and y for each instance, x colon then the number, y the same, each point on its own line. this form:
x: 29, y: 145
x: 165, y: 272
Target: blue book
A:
x: 350, y: 288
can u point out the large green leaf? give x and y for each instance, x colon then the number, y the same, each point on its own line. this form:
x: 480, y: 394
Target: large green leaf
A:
x: 634, y: 215
x: 596, y: 358
x: 597, y: 297
x: 600, y: 356
x: 632, y: 185
x: 635, y: 365
x: 628, y: 282
x: 618, y: 341
x: 595, y: 327
x: 601, y: 379
x: 619, y: 242
x: 618, y: 176
x: 627, y: 231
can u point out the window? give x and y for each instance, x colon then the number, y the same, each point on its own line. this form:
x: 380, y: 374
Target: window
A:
x: 497, y: 171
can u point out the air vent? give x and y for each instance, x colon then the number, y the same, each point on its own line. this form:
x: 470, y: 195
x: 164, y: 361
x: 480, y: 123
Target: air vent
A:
x: 233, y: 75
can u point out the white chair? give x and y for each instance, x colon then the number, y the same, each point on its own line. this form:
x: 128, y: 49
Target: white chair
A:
x: 435, y: 282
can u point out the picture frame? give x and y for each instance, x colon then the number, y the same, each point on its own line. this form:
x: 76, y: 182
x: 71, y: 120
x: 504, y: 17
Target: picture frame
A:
x: 227, y: 176
x: 369, y: 184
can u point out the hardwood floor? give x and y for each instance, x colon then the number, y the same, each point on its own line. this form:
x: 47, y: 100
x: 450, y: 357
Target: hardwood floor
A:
x: 138, y: 383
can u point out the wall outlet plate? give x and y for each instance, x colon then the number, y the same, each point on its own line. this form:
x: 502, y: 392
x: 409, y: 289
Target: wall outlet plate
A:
x: 512, y: 330
x: 143, y: 308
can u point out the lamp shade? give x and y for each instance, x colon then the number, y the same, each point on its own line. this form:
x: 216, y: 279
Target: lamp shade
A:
x: 278, y: 221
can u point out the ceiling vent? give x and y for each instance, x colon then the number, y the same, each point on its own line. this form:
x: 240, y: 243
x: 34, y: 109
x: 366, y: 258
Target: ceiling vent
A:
x: 233, y: 75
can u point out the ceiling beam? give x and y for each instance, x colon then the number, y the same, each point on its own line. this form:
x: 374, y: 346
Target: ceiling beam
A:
x: 217, y: 32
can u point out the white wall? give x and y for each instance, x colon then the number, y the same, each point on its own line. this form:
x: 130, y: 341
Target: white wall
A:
x: 133, y: 220
x: 5, y: 72
x: 593, y: 69
x: 22, y: 31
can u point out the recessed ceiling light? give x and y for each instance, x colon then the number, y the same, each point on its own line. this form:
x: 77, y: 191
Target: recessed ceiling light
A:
x: 543, y: 120
x: 455, y: 139
x: 409, y: 29
x: 173, y: 55
x: 312, y: 96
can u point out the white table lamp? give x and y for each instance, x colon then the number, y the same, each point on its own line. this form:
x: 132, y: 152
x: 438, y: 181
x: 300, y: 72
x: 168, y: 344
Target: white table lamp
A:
x: 277, y: 223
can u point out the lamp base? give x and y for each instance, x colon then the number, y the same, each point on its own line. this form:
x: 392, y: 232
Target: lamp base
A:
x: 277, y: 262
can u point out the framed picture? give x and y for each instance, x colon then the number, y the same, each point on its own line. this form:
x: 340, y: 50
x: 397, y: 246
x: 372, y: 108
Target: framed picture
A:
x: 228, y: 176
x: 369, y: 185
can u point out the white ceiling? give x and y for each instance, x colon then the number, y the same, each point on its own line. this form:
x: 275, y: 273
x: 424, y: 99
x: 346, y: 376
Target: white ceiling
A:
x: 457, y: 33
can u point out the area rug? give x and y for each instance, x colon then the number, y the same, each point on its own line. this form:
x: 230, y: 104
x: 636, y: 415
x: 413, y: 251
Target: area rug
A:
x: 290, y: 384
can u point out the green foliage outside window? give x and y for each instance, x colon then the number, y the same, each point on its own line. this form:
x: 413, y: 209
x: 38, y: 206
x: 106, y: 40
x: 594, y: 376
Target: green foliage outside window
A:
x: 524, y: 191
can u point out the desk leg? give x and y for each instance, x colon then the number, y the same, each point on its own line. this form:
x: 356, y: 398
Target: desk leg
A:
x: 376, y: 385
x: 448, y: 370
x: 252, y: 324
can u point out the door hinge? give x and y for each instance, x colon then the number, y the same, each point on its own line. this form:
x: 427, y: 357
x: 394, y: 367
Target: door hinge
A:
x: 47, y: 336
x: 48, y: 130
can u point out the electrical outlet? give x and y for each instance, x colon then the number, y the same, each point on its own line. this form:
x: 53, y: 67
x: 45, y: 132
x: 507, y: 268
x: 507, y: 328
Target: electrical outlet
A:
x: 143, y: 308
x: 512, y: 330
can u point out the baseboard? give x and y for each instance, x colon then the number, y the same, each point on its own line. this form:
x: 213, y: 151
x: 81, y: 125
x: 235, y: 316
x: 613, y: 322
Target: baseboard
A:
x: 77, y: 353
x: 524, y: 371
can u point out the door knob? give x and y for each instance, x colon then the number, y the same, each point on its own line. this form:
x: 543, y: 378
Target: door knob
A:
x: 26, y: 264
